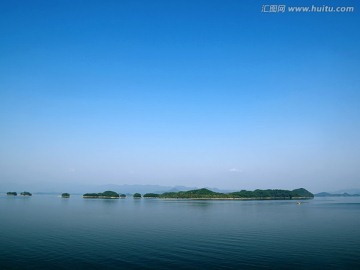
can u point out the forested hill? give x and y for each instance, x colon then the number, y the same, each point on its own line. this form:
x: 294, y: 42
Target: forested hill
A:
x: 204, y: 193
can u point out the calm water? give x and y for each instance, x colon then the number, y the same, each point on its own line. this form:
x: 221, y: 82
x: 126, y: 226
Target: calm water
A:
x: 43, y: 232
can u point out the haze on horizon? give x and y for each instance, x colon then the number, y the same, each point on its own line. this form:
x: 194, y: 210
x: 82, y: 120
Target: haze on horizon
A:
x: 192, y: 93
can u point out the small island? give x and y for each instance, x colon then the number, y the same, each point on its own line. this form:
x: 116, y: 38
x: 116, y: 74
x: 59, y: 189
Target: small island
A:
x: 65, y: 195
x: 122, y: 196
x: 11, y: 193
x: 151, y: 195
x: 103, y: 195
x: 137, y: 196
x: 25, y: 193
x: 258, y: 194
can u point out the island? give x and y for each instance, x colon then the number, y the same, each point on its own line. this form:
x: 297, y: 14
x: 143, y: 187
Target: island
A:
x: 65, y: 195
x: 258, y: 194
x: 204, y: 193
x: 102, y: 195
x: 326, y: 194
x: 25, y: 193
x: 11, y: 193
x: 151, y: 195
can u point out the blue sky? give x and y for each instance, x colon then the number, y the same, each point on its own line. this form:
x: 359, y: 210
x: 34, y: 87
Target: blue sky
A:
x: 196, y: 93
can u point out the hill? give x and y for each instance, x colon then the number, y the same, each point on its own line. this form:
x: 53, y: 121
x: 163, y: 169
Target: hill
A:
x: 327, y: 194
x: 258, y: 194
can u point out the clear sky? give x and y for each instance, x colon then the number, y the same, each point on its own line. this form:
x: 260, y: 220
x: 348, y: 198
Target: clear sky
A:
x: 194, y: 93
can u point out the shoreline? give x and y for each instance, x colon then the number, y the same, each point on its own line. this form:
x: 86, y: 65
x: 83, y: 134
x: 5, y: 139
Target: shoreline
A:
x: 99, y: 197
x: 241, y: 199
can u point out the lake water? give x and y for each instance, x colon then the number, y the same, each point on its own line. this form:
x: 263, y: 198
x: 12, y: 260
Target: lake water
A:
x: 43, y: 232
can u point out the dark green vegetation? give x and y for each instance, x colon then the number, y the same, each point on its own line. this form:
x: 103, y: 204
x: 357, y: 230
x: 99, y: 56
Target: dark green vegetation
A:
x: 103, y: 195
x: 259, y: 194
x: 151, y: 195
x: 203, y: 193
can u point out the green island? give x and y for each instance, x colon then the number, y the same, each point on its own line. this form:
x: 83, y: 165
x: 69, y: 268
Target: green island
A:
x: 102, y: 195
x: 258, y: 194
x: 11, y: 193
x: 25, y: 193
x: 204, y: 193
x: 65, y: 195
x: 151, y: 195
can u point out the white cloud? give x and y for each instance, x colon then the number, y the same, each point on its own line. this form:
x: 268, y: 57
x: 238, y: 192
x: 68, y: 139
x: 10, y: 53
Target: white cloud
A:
x: 234, y: 170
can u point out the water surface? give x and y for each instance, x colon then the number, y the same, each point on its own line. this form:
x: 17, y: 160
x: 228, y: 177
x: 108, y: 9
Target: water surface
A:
x: 44, y: 231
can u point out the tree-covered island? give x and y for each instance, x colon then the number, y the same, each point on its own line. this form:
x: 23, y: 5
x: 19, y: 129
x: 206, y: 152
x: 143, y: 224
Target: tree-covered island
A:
x: 65, y: 195
x: 25, y: 193
x: 258, y: 194
x: 203, y: 193
x: 151, y: 195
x: 102, y: 195
x: 11, y: 193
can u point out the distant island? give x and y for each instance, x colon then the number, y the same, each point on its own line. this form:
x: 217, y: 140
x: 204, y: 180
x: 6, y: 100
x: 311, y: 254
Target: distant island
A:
x: 204, y: 193
x: 326, y: 194
x: 151, y: 195
x: 103, y: 195
x: 65, y: 195
x: 258, y: 194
